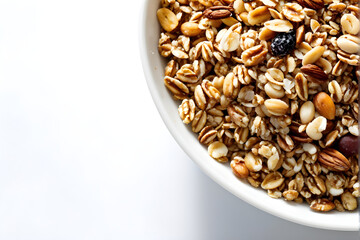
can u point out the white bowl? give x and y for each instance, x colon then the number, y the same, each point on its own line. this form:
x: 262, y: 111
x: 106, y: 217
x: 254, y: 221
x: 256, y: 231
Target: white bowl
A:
x: 153, y: 65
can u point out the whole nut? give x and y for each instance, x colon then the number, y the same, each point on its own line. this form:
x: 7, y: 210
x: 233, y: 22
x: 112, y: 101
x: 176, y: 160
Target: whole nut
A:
x: 167, y: 19
x: 349, y: 145
x: 334, y: 160
x: 190, y: 29
x: 218, y: 12
x: 315, y: 73
x: 307, y: 112
x: 324, y: 105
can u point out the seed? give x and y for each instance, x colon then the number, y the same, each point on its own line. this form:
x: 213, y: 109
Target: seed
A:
x: 349, y: 145
x: 324, y: 105
x: 307, y: 112
x: 313, y: 55
x: 167, y: 19
x: 190, y: 29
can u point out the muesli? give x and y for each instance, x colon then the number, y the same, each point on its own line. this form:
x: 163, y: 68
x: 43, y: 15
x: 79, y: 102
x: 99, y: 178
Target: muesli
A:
x: 270, y: 86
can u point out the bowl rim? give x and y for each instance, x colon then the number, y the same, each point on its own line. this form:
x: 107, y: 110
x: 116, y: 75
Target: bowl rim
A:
x: 145, y: 56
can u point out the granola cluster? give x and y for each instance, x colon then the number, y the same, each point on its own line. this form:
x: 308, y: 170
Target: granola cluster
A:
x: 271, y: 87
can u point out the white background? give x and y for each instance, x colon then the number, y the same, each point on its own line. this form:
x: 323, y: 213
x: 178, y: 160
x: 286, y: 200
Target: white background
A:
x: 83, y: 151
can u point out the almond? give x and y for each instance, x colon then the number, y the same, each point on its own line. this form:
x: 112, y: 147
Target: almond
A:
x: 334, y: 160
x: 315, y: 73
x: 218, y: 12
x: 324, y: 105
x: 314, y: 4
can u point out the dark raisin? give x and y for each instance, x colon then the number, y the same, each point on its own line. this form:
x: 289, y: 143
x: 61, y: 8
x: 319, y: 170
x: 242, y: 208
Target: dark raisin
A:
x: 283, y: 43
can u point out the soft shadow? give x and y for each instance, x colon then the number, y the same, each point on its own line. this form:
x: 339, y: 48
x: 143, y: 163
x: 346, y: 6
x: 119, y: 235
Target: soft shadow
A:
x: 221, y: 215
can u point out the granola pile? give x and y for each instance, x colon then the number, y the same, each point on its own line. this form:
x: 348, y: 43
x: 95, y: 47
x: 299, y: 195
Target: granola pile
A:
x: 270, y: 86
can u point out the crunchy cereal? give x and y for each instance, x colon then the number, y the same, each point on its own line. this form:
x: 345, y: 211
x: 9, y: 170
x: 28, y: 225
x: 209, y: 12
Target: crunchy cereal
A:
x: 271, y: 88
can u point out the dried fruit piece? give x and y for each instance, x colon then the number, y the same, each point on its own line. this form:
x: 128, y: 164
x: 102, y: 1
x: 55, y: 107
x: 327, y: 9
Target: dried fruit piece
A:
x: 283, y: 43
x: 334, y: 160
x: 349, y: 145
x: 324, y: 105
x: 167, y: 19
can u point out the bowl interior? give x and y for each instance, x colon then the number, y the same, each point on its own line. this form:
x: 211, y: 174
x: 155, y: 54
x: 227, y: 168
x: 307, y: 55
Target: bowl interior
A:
x: 153, y: 65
